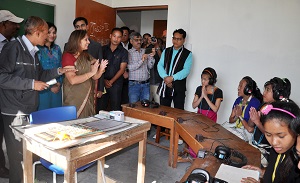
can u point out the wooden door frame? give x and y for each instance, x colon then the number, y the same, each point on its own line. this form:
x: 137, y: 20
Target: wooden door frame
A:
x: 142, y: 8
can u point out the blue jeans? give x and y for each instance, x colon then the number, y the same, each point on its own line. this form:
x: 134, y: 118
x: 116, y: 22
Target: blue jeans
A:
x: 137, y: 91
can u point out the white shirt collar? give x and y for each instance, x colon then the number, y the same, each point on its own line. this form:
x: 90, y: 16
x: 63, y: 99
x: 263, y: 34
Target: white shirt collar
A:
x: 2, y: 38
x: 30, y: 47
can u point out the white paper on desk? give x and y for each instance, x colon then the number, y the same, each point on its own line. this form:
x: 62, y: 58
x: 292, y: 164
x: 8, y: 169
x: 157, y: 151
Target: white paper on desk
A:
x: 233, y: 174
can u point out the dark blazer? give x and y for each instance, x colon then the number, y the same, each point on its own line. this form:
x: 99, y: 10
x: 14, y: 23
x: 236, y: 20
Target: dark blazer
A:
x: 95, y: 49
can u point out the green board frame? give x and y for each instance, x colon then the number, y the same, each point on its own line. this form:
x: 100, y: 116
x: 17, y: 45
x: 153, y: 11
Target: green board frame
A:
x: 24, y: 9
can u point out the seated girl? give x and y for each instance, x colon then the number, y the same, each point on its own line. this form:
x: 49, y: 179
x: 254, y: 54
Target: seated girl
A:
x: 277, y: 119
x: 275, y: 90
x: 249, y: 96
x: 208, y: 97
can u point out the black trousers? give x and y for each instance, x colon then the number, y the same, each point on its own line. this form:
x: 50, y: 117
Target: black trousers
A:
x: 2, y: 157
x: 125, y: 97
x: 178, y: 98
x: 14, y: 147
x: 111, y: 101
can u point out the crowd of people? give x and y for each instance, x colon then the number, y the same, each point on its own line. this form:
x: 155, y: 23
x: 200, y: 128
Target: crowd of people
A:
x: 129, y: 69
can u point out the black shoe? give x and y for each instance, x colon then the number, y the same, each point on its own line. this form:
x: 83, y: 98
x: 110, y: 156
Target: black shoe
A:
x: 4, y: 172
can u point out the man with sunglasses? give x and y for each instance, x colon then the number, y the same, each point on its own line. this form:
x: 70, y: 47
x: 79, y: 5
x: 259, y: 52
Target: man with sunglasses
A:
x: 173, y: 67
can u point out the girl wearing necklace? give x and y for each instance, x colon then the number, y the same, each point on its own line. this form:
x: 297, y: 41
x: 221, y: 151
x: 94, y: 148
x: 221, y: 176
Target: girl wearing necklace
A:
x: 249, y: 96
x: 208, y: 97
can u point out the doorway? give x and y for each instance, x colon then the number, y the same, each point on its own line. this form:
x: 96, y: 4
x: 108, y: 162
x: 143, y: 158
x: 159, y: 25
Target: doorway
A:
x: 152, y: 20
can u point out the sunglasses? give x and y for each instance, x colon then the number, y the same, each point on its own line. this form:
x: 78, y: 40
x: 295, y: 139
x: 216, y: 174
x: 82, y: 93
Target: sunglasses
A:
x: 295, y: 155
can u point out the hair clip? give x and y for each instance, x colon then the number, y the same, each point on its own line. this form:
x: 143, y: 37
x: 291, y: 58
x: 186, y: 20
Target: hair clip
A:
x: 270, y: 107
x: 284, y: 99
x: 283, y: 79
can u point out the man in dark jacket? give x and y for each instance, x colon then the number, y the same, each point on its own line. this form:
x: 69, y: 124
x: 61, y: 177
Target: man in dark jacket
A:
x: 9, y: 27
x: 21, y: 77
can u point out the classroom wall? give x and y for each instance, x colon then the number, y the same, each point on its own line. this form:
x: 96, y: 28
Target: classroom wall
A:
x: 259, y: 38
x: 131, y: 19
x: 148, y: 17
x: 63, y: 18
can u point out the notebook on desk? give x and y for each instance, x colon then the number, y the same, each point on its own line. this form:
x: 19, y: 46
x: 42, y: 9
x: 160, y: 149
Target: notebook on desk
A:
x: 234, y: 174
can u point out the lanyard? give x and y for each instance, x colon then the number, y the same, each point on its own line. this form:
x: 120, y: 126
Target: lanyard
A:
x: 278, y: 160
x: 254, y: 142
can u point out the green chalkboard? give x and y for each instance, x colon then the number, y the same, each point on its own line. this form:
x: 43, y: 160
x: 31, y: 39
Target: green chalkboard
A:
x: 24, y: 9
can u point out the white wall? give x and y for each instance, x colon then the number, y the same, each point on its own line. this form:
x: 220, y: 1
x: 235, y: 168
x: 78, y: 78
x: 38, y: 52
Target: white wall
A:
x: 260, y: 38
x: 131, y: 19
x: 119, y: 22
x: 64, y: 16
x: 148, y: 17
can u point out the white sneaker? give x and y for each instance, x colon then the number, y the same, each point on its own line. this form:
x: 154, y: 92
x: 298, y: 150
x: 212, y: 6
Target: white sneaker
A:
x: 180, y: 142
x: 154, y: 137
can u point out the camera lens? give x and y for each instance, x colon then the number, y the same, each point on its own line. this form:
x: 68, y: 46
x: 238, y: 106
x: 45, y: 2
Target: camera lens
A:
x: 153, y: 39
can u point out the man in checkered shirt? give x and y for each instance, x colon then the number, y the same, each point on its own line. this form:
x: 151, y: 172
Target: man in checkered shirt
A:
x: 139, y: 64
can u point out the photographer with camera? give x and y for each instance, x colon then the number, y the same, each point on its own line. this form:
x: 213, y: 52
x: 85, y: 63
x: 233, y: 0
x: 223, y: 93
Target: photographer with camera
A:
x: 155, y: 79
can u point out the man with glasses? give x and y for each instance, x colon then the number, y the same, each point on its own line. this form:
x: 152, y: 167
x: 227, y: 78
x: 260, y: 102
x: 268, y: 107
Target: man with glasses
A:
x: 173, y: 67
x: 139, y: 64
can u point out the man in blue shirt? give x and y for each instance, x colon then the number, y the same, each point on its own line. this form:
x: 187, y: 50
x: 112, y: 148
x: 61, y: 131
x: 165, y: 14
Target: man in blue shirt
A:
x: 173, y: 67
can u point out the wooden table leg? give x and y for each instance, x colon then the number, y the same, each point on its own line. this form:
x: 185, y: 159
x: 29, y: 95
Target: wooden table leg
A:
x: 100, y: 171
x: 69, y: 176
x: 27, y: 164
x: 172, y: 144
x: 142, y: 160
x: 158, y: 130
x: 175, y: 157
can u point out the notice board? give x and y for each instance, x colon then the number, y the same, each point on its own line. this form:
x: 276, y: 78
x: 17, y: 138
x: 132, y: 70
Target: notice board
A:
x: 101, y: 19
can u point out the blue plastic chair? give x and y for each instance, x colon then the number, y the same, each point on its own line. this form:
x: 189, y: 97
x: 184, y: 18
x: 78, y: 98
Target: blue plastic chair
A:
x: 57, y: 114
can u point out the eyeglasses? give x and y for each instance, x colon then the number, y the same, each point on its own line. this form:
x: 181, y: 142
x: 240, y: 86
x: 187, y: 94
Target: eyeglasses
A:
x: 177, y: 38
x: 295, y: 155
x: 138, y: 40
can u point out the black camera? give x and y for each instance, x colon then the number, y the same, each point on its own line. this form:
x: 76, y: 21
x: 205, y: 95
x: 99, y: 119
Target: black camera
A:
x: 153, y: 39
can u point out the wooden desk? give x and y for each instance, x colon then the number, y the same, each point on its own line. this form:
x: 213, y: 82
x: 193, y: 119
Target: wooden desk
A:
x: 193, y: 124
x: 210, y: 163
x: 87, y: 149
x: 153, y: 116
x: 214, y: 135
